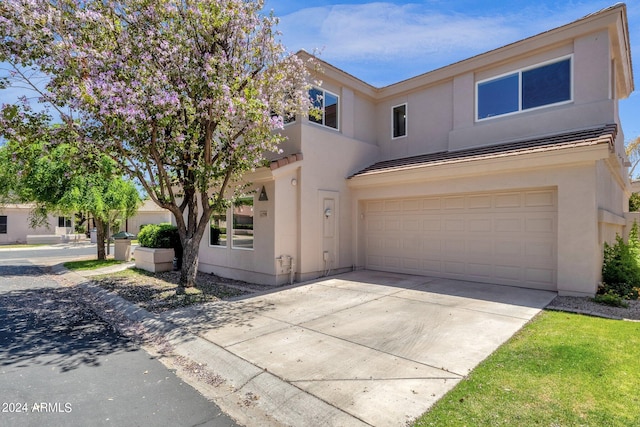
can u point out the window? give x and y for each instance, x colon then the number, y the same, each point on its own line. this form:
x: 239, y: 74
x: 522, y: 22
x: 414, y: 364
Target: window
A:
x: 326, y: 105
x: 64, y: 222
x: 399, y: 114
x: 3, y: 224
x: 243, y: 224
x: 218, y: 230
x: 526, y: 89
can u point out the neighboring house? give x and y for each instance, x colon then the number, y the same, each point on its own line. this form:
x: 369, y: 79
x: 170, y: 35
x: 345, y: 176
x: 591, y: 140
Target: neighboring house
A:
x: 14, y: 224
x: 505, y: 168
x: 147, y: 213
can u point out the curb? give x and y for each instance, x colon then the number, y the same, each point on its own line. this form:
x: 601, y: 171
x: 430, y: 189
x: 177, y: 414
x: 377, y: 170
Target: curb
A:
x: 248, y: 393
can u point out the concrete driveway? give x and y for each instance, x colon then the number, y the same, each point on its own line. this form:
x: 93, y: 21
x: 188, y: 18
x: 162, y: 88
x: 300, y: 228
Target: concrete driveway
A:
x: 379, y: 347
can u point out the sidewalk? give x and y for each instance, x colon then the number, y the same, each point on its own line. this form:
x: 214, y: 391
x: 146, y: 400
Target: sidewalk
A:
x: 249, y: 394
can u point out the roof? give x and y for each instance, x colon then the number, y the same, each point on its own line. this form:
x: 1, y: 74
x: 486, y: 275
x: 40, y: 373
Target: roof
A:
x: 605, y: 134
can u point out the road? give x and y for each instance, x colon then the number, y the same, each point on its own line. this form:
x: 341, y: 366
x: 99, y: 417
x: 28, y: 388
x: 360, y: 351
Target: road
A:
x: 62, y: 365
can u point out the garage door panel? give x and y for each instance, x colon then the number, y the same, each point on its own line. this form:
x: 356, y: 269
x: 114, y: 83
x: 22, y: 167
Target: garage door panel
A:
x: 506, y: 248
x: 431, y: 224
x: 508, y: 272
x: 540, y: 225
x: 544, y: 250
x: 507, y: 237
x: 453, y: 225
x: 480, y: 270
x: 432, y: 266
x: 411, y: 224
x: 375, y: 225
x: 539, y: 199
x: 431, y: 204
x: 392, y: 225
x: 508, y: 224
x: 479, y: 225
x: 508, y: 200
x: 453, y: 203
x: 479, y: 202
x: 453, y: 267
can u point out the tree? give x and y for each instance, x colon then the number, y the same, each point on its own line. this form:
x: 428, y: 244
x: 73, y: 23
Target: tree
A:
x: 185, y: 95
x: 633, y: 153
x: 34, y: 169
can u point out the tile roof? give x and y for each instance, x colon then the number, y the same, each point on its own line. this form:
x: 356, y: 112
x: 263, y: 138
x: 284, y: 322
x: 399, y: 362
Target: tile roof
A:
x: 283, y: 161
x: 582, y: 138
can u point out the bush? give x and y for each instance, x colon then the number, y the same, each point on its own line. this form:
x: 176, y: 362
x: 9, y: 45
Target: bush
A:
x: 610, y: 298
x: 158, y: 236
x: 621, y: 267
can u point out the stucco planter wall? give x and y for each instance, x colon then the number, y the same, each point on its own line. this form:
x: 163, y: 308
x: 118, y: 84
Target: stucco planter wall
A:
x: 154, y: 259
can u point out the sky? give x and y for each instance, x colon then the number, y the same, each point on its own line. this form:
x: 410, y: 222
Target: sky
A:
x: 385, y: 42
x: 388, y: 41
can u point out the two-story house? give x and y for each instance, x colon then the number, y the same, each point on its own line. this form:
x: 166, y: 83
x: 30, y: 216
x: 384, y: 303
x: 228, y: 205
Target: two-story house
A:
x: 506, y: 168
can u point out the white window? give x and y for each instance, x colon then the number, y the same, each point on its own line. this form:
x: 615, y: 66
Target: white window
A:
x: 242, y: 235
x: 535, y: 87
x: 326, y: 105
x: 399, y: 119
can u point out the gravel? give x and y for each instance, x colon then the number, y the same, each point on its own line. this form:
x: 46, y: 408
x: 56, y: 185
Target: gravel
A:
x: 584, y: 305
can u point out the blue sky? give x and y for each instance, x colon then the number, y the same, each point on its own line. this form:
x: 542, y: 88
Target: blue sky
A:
x: 388, y: 41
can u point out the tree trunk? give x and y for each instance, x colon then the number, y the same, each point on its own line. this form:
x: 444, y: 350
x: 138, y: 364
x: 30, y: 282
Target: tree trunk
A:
x: 100, y: 238
x: 189, y: 269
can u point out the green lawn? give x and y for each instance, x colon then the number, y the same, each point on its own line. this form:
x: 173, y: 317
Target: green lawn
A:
x: 560, y: 370
x: 90, y: 264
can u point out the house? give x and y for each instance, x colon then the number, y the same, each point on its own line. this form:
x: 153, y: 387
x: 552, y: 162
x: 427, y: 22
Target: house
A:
x: 147, y: 213
x: 15, y: 228
x: 506, y: 168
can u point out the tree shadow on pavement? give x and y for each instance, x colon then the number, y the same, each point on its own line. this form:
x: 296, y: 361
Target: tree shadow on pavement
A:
x: 47, y: 326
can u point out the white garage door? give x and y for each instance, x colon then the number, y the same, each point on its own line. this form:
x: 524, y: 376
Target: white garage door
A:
x: 505, y: 238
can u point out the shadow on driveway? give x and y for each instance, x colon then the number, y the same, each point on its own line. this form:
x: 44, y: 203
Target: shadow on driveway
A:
x: 46, y: 326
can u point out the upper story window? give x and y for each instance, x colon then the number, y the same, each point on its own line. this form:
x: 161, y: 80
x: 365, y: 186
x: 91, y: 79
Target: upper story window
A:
x: 326, y: 103
x: 534, y: 87
x: 399, y: 117
x: 3, y: 224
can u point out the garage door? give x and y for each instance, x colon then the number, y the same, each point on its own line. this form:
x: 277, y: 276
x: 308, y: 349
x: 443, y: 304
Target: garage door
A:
x: 504, y: 237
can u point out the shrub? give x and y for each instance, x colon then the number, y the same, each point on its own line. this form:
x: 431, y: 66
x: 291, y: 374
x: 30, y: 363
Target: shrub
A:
x: 621, y: 267
x: 610, y: 298
x: 158, y: 236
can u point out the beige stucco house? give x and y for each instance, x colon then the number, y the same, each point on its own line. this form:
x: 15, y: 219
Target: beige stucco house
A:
x: 14, y: 225
x: 505, y: 168
x: 147, y: 213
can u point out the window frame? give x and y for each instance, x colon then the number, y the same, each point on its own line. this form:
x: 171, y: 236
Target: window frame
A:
x: 324, y: 96
x: 4, y: 224
x: 519, y: 73
x: 393, y: 121
x: 67, y: 221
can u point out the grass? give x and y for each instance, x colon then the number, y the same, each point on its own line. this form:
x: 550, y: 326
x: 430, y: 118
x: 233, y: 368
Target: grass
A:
x: 157, y: 292
x: 560, y: 370
x: 90, y: 264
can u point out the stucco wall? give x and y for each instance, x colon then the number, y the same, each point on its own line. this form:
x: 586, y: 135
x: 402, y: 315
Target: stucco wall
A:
x: 18, y: 225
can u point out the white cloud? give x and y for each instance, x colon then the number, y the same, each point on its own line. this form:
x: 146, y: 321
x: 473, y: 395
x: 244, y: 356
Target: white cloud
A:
x: 412, y: 36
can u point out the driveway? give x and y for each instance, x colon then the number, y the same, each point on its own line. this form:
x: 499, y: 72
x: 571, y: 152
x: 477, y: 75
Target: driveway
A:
x: 379, y: 347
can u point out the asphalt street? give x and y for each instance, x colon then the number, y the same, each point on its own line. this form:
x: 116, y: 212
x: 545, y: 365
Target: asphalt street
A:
x: 62, y: 365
